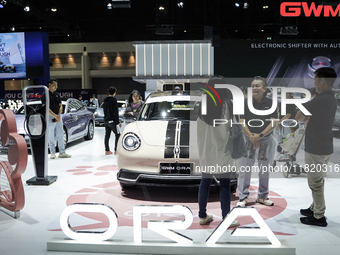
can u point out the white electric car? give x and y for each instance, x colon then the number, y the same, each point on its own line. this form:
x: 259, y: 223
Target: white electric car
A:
x: 160, y: 147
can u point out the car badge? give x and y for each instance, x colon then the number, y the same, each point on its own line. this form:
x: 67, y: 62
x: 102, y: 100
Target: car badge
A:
x: 176, y: 150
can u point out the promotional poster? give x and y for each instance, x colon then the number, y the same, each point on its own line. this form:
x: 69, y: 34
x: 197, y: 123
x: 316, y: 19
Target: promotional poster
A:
x: 285, y: 63
x: 12, y: 55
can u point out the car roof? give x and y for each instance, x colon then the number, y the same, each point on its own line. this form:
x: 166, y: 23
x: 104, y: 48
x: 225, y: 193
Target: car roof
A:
x: 175, y: 93
x: 170, y: 96
x: 40, y: 102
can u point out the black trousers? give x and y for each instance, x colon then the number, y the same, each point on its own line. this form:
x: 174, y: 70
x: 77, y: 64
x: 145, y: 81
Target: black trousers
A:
x: 108, y: 128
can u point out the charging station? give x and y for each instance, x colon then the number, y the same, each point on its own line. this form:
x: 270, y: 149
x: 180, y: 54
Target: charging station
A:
x: 36, y: 124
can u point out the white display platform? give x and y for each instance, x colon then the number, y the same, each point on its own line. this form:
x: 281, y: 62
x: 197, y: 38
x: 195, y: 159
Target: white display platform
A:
x: 15, y: 215
x: 68, y: 245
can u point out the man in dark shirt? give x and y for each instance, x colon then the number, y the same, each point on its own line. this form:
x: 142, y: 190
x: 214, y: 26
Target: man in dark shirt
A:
x: 258, y: 135
x: 111, y: 119
x: 318, y: 143
x: 55, y: 120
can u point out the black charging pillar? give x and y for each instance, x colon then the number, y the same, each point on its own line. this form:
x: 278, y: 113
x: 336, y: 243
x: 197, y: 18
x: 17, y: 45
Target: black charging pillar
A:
x: 37, y: 120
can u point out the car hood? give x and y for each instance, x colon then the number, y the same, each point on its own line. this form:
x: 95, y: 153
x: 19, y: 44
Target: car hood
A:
x: 160, y: 133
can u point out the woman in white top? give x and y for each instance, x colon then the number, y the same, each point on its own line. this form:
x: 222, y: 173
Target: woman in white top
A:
x: 214, y: 150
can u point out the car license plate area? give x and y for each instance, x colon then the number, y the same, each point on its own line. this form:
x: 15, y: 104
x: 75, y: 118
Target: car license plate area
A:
x: 175, y: 168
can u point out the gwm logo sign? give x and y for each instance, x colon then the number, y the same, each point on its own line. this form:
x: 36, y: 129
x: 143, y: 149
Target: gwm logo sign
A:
x: 294, y: 9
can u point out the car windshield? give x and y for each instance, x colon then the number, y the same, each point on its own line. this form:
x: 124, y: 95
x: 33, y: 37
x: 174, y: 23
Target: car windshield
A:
x: 21, y: 110
x: 121, y: 104
x: 181, y: 110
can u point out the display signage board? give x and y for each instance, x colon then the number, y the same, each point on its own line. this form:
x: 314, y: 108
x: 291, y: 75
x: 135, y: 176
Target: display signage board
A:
x: 295, y: 9
x: 100, y: 241
x: 284, y: 63
x: 24, y: 55
x: 12, y: 55
x: 64, y: 93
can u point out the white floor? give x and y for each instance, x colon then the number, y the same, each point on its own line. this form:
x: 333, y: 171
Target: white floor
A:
x: 81, y: 176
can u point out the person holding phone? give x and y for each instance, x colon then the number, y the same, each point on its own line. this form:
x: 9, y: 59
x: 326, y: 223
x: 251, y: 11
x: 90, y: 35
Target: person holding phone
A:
x: 55, y: 120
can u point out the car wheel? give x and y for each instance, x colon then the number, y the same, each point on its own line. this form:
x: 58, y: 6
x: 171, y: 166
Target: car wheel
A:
x: 90, y: 131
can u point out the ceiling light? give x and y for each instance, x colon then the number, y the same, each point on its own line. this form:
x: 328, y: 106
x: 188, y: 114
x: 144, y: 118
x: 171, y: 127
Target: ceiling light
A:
x: 53, y: 9
x: 245, y: 5
x: 161, y: 8
x: 237, y: 3
x: 27, y: 9
x: 2, y: 3
x: 109, y: 6
x: 13, y: 28
x: 265, y: 7
x: 180, y: 4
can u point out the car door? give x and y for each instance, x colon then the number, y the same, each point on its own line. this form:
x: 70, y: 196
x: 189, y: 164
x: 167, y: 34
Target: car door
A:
x: 71, y: 119
x: 81, y: 118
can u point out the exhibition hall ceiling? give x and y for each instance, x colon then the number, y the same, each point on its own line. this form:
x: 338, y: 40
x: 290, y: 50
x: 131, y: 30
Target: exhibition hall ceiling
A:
x: 101, y: 21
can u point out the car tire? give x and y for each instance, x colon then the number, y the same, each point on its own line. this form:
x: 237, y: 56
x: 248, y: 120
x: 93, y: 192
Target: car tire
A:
x: 90, y: 131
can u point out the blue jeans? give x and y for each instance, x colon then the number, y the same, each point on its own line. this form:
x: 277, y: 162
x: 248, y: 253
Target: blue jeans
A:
x: 55, y: 131
x: 203, y: 193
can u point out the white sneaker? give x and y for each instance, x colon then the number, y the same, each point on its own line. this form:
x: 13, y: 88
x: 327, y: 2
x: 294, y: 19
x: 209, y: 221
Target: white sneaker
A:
x: 234, y: 224
x: 265, y: 201
x: 206, y: 220
x: 242, y: 203
x: 64, y: 155
x: 52, y: 156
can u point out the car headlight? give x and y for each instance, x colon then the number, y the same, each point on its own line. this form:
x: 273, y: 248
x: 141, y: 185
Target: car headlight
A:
x: 131, y: 141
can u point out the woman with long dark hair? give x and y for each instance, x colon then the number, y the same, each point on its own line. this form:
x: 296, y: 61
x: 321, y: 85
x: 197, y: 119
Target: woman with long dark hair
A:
x: 214, y: 149
x: 134, y: 105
